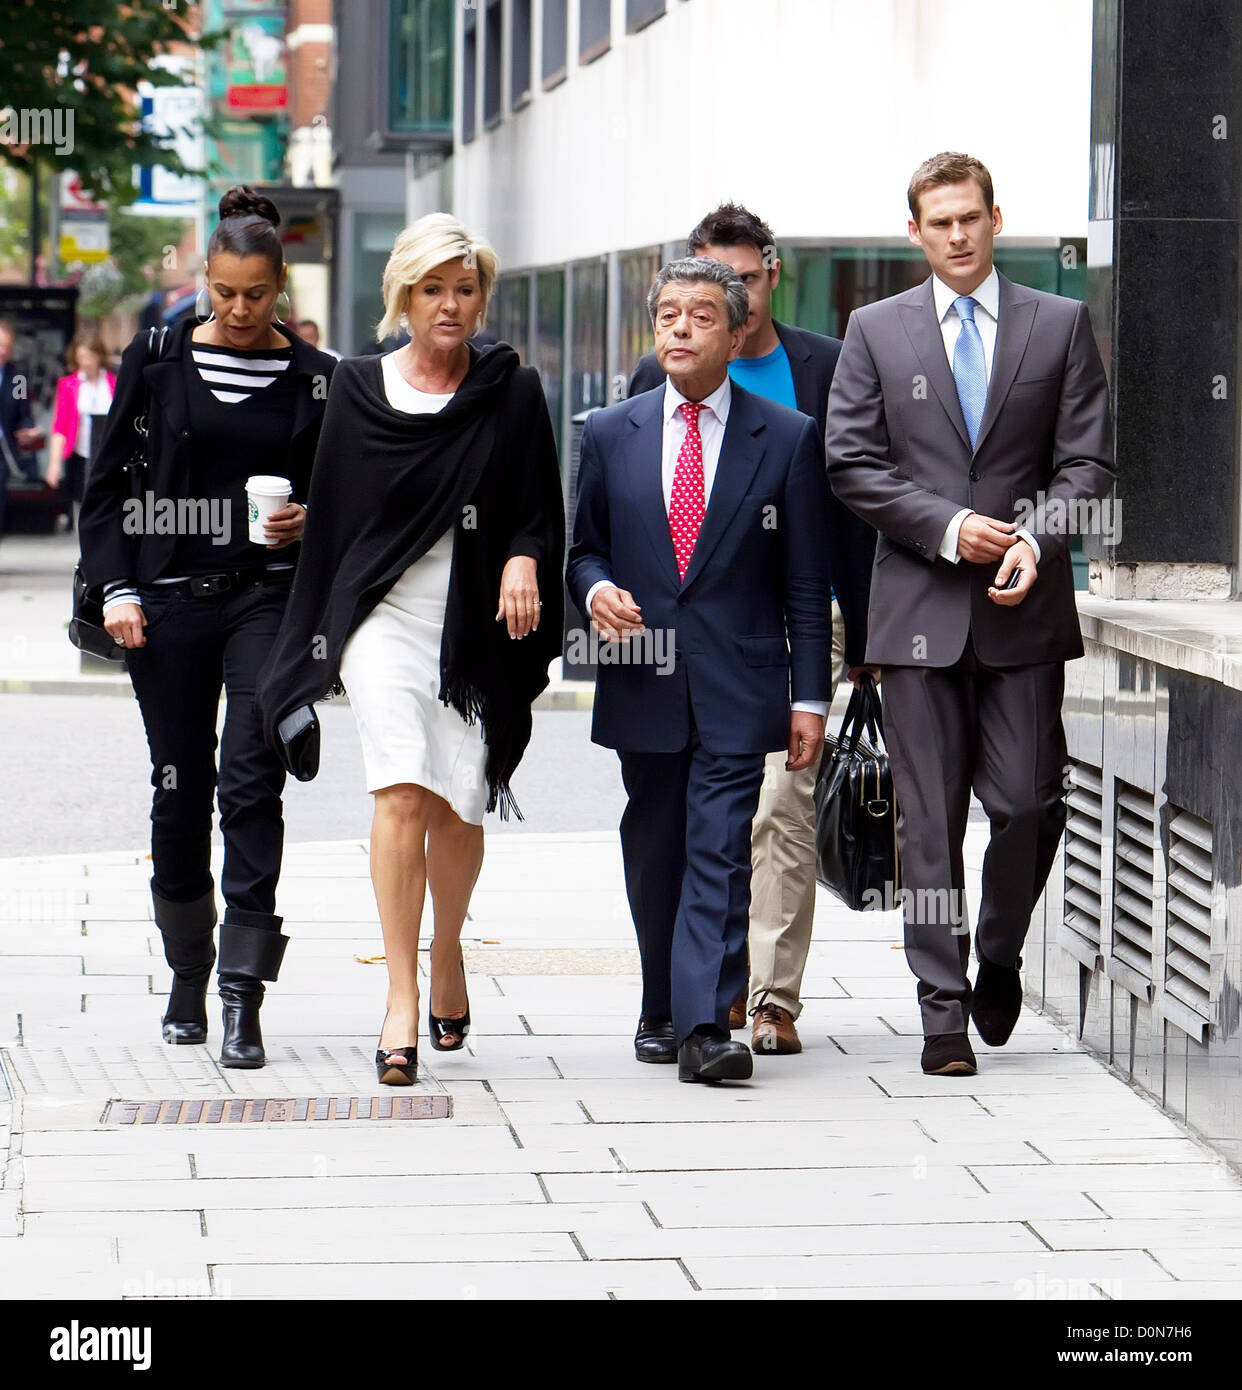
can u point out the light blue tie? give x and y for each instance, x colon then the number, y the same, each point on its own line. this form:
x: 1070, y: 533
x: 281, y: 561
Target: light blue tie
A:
x: 969, y: 368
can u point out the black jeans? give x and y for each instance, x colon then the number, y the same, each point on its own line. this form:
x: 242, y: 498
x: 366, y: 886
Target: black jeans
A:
x: 194, y: 646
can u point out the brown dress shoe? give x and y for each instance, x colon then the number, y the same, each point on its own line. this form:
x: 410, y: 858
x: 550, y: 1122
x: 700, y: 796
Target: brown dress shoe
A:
x: 774, y: 1031
x: 737, y: 1010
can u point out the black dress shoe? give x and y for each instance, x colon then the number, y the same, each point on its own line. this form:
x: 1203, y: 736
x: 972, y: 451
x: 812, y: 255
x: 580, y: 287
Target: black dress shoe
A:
x: 948, y: 1054
x: 997, y: 1001
x: 711, y: 1057
x: 655, y: 1042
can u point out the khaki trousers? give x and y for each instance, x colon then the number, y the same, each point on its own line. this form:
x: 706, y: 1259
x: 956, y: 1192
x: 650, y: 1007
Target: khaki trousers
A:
x: 782, y: 884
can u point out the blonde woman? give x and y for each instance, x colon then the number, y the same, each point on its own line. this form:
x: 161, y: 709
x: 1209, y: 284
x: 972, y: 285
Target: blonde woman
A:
x: 430, y: 586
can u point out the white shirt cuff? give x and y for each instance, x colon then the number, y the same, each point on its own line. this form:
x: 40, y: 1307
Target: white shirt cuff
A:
x: 948, y: 542
x: 1030, y: 540
x: 819, y: 707
x: 594, y: 589
x: 117, y: 599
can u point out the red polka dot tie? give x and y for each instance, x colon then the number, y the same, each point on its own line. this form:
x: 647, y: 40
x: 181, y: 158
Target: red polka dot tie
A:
x: 686, y: 506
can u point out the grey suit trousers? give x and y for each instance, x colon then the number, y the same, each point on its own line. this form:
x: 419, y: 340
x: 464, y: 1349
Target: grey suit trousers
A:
x: 998, y: 730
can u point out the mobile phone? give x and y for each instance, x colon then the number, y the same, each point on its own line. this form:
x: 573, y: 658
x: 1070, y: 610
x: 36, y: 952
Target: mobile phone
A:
x: 1013, y: 580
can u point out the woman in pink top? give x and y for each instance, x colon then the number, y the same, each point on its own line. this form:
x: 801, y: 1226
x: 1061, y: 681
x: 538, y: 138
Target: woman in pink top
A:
x: 86, y: 392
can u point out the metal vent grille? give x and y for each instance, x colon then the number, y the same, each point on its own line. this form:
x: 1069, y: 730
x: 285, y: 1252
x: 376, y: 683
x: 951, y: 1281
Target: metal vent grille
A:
x: 1084, y: 839
x: 1189, y: 913
x: 1136, y: 840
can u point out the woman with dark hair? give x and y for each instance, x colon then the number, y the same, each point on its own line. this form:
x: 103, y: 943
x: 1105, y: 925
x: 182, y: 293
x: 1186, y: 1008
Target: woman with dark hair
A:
x: 431, y: 586
x: 86, y: 392
x: 197, y: 604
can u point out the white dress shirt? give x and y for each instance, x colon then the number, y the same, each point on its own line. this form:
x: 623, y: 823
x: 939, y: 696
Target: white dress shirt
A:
x: 94, y: 398
x: 712, y: 421
x: 987, y: 299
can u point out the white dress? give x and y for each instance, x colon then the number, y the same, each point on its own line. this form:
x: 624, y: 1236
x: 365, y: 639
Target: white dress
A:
x: 391, y: 669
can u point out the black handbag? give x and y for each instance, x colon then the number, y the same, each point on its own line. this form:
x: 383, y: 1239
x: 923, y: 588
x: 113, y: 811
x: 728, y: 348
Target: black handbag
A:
x: 86, y: 629
x: 297, y: 743
x: 856, y: 812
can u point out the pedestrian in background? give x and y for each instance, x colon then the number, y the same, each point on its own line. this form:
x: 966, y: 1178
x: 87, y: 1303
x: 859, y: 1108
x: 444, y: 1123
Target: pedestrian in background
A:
x: 794, y: 368
x: 972, y: 615
x: 234, y: 394
x: 86, y: 392
x: 18, y: 433
x: 308, y: 331
x: 431, y: 585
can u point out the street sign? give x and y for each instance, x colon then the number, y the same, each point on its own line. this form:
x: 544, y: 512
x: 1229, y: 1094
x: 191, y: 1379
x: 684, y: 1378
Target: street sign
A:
x: 256, y: 63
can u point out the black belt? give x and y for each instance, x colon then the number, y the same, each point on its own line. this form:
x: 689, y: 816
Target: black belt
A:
x: 206, y: 585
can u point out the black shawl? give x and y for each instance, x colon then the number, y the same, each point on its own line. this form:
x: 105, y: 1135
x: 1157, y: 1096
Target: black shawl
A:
x: 386, y: 486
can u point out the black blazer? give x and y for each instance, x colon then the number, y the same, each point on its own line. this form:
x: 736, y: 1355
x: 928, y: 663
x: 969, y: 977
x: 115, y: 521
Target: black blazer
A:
x: 107, y: 552
x: 750, y: 586
x: 812, y: 361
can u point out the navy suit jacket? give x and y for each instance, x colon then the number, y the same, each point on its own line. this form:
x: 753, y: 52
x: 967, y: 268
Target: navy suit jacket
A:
x: 15, y: 415
x: 851, y: 542
x: 751, y: 617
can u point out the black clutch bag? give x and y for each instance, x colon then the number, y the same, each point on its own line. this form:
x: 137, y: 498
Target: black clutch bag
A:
x: 856, y: 811
x: 86, y: 629
x: 297, y: 743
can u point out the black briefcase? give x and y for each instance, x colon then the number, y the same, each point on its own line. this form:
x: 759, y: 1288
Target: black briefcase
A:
x: 856, y: 811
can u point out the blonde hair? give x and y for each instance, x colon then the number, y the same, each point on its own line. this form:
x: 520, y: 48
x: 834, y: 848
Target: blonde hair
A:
x: 421, y: 248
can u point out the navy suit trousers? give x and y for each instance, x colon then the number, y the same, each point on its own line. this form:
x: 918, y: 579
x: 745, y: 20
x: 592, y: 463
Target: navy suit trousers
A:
x: 685, y: 841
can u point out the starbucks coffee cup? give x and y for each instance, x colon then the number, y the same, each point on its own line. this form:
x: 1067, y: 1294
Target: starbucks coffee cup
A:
x: 265, y: 494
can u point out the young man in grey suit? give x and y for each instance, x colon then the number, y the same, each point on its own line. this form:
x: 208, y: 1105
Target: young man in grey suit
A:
x: 966, y: 418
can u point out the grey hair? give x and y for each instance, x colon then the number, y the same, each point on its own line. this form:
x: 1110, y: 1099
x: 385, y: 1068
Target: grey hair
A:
x: 697, y: 270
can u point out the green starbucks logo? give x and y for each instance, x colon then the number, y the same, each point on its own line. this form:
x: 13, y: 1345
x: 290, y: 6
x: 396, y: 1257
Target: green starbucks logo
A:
x: 252, y: 510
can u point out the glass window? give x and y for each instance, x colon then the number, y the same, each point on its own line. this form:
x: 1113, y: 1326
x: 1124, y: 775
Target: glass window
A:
x: 373, y: 236
x: 492, y: 31
x: 469, y: 73
x: 549, y: 344
x: 594, y: 29
x: 508, y: 315
x: 637, y: 269
x: 555, y: 41
x: 420, y: 88
x: 640, y: 13
x: 589, y: 349
x: 519, y: 56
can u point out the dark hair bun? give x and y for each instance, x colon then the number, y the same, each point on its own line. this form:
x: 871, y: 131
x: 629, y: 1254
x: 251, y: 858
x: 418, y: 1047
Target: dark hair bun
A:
x: 242, y: 201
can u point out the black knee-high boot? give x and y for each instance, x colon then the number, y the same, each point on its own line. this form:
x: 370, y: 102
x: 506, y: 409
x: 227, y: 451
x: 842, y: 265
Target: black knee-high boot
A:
x: 251, y: 949
x: 189, y: 948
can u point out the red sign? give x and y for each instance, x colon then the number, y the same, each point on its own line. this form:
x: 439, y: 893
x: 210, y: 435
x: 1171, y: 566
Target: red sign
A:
x: 258, y: 98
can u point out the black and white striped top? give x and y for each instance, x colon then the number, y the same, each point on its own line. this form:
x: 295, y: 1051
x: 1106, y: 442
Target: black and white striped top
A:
x: 236, y: 376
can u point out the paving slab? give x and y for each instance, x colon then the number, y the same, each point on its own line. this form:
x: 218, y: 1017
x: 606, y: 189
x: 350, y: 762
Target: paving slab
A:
x: 566, y: 1169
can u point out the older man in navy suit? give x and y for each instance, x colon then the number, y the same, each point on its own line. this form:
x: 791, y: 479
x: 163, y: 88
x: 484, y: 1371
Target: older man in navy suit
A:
x: 701, y: 520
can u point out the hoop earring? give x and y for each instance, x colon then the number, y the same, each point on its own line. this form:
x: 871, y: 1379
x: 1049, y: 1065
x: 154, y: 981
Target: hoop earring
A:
x: 201, y: 313
x: 282, y: 310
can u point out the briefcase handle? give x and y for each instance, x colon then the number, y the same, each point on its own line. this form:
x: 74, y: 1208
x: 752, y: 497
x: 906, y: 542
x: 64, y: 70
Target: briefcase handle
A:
x: 863, y: 712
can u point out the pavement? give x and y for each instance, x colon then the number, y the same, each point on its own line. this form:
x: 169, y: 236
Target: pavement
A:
x: 542, y: 1161
x: 562, y: 1168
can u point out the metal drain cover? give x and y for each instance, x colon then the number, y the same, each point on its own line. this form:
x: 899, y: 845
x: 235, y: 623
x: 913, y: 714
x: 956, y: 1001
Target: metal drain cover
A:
x: 255, y: 1111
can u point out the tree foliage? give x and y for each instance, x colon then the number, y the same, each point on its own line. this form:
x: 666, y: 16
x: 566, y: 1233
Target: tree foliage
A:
x: 82, y: 60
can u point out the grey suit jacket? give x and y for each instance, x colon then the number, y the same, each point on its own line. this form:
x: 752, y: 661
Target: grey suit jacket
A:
x: 899, y: 455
